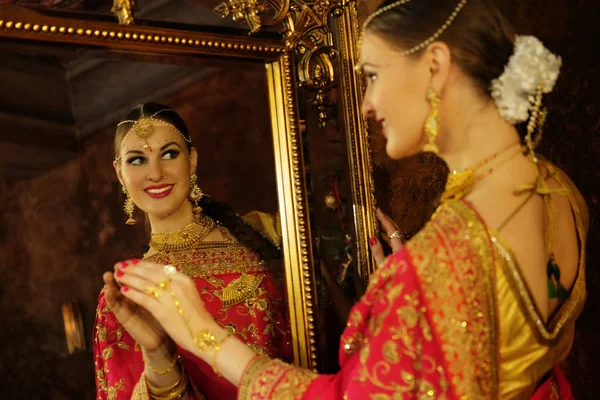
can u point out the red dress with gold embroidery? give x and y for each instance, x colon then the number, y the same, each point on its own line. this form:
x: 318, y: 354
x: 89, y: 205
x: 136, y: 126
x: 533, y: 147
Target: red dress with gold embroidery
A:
x: 438, y: 321
x: 237, y: 289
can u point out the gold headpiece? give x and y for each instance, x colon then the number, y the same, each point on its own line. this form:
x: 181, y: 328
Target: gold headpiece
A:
x: 143, y: 128
x: 421, y: 45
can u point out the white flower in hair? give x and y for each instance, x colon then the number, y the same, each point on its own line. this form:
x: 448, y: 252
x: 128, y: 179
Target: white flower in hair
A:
x: 530, y: 66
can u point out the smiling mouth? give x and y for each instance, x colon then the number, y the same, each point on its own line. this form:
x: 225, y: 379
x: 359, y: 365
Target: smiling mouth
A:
x: 158, y: 192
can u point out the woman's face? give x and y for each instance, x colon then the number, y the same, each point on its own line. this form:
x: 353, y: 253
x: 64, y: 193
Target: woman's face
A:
x: 157, y: 177
x: 396, y: 95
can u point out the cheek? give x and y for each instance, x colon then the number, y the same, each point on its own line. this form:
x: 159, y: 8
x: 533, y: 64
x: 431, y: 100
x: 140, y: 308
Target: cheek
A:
x: 407, y: 120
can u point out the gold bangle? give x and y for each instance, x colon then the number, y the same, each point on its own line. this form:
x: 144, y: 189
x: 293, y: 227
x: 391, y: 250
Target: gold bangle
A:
x: 171, y: 392
x: 161, y: 371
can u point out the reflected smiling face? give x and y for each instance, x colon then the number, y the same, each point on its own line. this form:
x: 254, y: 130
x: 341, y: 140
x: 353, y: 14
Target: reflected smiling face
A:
x: 157, y: 176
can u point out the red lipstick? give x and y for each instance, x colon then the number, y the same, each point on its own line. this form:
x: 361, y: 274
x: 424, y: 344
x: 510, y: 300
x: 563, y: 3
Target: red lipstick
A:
x: 159, y: 191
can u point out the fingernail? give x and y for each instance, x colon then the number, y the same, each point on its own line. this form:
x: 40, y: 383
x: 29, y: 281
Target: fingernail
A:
x: 123, y: 265
x: 119, y: 273
x: 124, y: 289
x: 373, y: 241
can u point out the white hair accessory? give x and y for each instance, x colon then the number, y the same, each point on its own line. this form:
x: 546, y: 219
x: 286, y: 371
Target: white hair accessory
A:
x: 532, y: 67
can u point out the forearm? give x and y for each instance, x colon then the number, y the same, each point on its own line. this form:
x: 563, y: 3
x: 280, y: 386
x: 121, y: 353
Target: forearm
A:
x: 232, y: 357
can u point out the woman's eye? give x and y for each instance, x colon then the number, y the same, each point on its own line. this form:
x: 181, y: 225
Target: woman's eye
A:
x: 136, y: 160
x: 170, y: 154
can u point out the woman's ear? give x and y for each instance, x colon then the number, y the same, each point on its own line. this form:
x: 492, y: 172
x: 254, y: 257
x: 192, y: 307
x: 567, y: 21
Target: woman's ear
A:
x: 117, y: 166
x: 439, y: 59
x: 193, y: 160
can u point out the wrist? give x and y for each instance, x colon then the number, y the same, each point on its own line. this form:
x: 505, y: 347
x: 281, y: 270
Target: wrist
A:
x: 167, y: 349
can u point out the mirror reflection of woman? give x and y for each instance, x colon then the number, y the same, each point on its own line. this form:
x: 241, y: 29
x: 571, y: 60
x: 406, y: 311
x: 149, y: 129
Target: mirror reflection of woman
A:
x: 226, y: 257
x: 482, y: 302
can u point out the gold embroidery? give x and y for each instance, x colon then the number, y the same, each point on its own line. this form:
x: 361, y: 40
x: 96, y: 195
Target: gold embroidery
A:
x: 212, y: 259
x: 265, y: 378
x: 140, y: 391
x: 383, y: 373
x: 454, y: 259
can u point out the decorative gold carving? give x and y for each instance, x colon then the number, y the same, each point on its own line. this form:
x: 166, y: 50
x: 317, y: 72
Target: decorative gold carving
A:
x: 357, y: 136
x: 306, y: 32
x: 123, y: 9
x: 20, y: 23
x: 295, y: 227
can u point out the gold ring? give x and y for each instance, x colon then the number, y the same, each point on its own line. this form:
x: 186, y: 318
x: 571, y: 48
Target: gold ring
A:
x: 152, y: 291
x: 169, y: 270
x: 164, y: 283
x: 396, y: 234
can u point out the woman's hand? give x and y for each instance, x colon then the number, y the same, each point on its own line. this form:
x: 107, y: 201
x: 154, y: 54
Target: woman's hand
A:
x: 138, y: 322
x: 172, y: 298
x: 390, y: 234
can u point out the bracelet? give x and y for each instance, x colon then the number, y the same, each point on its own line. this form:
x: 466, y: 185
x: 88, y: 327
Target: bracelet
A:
x: 161, y: 371
x: 214, y: 363
x: 175, y: 391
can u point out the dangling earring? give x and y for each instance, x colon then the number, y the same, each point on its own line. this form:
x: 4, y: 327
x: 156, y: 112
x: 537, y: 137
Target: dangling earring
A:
x: 129, y: 207
x: 432, y: 123
x: 195, y: 194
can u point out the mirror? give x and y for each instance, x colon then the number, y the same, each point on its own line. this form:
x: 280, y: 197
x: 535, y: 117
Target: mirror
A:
x: 64, y: 88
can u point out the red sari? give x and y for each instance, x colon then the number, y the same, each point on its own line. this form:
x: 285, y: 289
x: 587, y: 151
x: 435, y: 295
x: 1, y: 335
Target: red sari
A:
x: 256, y: 316
x: 431, y: 326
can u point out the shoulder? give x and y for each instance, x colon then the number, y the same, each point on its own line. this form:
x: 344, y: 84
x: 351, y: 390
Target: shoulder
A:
x: 574, y: 199
x: 266, y: 224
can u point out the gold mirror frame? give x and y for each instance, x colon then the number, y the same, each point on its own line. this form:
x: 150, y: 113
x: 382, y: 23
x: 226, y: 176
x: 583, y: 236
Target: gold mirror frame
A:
x: 307, y: 32
x: 26, y: 25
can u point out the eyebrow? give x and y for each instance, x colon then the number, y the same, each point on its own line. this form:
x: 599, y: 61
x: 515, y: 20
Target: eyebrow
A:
x: 168, y: 144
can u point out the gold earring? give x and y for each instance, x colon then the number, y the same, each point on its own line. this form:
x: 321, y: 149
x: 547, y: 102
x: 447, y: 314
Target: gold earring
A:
x: 195, y: 194
x: 129, y: 207
x: 432, y: 123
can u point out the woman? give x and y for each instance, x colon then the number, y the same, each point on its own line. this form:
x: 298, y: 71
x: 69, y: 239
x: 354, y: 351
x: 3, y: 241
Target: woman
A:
x: 225, y: 257
x: 481, y: 303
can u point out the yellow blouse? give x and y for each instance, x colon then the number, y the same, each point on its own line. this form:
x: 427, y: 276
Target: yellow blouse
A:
x: 528, y: 347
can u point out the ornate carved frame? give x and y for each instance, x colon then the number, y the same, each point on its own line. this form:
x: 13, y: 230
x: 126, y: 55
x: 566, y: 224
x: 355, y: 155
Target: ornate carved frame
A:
x: 308, y: 34
x: 26, y: 25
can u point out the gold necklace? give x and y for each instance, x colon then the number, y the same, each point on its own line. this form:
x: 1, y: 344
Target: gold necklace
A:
x: 460, y: 183
x: 186, y: 238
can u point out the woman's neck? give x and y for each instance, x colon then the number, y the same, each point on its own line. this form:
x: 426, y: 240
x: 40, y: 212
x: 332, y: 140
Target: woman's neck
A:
x: 182, y: 217
x: 467, y: 138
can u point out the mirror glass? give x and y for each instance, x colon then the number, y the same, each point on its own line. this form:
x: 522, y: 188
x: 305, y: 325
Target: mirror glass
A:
x: 63, y: 223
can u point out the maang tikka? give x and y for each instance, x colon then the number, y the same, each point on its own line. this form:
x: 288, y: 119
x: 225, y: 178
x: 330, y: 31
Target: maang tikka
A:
x: 144, y: 128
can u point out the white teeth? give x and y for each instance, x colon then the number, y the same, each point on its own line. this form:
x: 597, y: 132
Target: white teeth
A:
x: 161, y: 190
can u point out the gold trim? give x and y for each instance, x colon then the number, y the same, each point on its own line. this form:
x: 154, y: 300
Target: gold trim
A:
x: 357, y: 136
x: 20, y: 23
x: 293, y: 206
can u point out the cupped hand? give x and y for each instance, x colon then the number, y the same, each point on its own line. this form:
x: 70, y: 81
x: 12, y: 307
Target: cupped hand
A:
x: 172, y: 298
x: 139, y: 323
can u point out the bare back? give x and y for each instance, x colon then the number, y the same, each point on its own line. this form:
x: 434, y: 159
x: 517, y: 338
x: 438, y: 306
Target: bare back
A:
x: 524, y: 223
